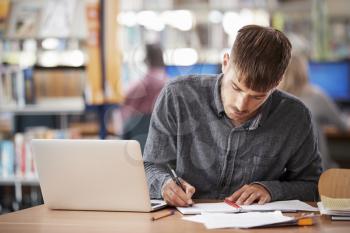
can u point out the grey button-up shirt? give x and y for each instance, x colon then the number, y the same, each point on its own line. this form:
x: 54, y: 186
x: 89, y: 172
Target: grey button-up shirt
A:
x: 189, y: 129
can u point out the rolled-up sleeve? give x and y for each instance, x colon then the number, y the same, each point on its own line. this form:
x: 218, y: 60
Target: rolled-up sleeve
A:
x: 160, y: 147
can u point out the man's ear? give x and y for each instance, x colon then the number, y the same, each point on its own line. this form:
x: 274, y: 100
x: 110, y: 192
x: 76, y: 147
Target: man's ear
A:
x: 225, y: 63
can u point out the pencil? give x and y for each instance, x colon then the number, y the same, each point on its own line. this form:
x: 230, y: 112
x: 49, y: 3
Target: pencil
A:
x: 162, y: 215
x: 231, y: 203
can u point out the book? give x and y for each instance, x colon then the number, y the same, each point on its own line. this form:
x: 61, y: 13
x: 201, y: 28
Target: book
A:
x: 7, y: 162
x: 29, y: 90
x: 23, y: 19
x: 57, y: 18
x: 16, y: 158
x: 336, y: 204
x: 337, y: 208
x: 6, y: 87
x: 340, y: 218
x: 56, y: 83
x: 16, y: 86
x: 4, y: 12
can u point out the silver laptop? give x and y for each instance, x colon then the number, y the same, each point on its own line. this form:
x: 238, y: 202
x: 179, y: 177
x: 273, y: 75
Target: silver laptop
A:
x: 93, y: 175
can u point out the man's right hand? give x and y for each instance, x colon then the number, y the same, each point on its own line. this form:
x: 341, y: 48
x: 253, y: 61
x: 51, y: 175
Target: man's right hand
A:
x: 175, y: 196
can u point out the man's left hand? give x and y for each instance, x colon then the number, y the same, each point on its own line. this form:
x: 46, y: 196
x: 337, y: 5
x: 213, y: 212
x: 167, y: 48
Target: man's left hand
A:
x: 249, y: 194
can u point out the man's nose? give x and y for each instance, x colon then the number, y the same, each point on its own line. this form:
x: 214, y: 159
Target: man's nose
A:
x: 242, y: 103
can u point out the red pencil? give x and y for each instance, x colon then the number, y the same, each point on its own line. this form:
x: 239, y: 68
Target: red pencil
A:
x: 231, y: 203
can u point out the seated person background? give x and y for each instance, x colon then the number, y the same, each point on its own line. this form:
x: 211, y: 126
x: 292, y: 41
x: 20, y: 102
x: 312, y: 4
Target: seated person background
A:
x: 234, y: 135
x: 135, y: 113
x: 323, y: 110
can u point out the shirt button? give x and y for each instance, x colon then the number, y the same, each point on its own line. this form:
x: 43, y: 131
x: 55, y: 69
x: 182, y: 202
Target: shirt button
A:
x: 223, y: 184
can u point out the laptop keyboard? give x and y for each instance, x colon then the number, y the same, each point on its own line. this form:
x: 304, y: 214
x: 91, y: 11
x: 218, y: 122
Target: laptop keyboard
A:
x: 154, y: 204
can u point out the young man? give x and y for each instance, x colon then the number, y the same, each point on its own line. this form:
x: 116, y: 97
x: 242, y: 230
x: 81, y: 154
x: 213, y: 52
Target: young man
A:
x: 234, y: 136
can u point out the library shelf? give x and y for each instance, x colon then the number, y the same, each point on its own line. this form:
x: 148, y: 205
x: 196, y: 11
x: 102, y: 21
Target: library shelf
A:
x: 22, y: 180
x: 67, y: 105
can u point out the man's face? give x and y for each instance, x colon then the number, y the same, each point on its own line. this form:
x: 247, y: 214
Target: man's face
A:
x: 240, y: 103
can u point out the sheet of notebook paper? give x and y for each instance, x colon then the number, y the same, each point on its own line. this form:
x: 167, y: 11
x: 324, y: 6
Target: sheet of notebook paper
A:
x: 284, y: 206
x: 220, y: 207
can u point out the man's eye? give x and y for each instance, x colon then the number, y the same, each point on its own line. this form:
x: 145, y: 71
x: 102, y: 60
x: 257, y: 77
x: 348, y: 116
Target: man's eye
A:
x: 258, y: 97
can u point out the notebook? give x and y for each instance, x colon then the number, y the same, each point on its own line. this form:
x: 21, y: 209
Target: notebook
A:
x: 338, y: 204
x: 222, y: 207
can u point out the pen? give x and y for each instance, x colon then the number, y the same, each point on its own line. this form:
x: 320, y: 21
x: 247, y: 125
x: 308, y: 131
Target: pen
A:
x: 175, y: 177
x: 162, y: 215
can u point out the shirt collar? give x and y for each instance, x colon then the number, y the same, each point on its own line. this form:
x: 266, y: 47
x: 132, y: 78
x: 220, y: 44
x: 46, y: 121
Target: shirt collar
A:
x: 260, y: 118
x: 217, y: 96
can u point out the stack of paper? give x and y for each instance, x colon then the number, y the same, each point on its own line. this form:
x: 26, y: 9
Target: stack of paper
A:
x: 243, y: 220
x: 337, y: 208
x: 222, y: 207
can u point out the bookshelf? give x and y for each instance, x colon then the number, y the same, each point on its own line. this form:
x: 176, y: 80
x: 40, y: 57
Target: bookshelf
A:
x: 23, y: 180
x: 42, y: 91
x: 19, y: 185
x: 61, y: 106
x: 59, y: 60
x: 42, y: 76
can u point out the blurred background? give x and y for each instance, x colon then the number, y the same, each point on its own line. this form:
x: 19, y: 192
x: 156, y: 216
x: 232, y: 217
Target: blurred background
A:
x: 86, y: 69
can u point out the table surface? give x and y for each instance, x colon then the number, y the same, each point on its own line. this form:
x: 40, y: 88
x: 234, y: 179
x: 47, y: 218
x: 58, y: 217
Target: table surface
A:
x: 41, y: 219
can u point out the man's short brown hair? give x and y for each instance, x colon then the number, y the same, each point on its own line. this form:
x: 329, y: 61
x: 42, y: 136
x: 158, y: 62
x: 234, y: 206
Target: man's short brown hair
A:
x: 260, y: 56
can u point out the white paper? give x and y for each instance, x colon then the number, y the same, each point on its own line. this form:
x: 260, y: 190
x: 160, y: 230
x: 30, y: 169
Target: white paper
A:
x: 242, y: 220
x: 285, y: 206
x: 195, y: 218
x: 221, y: 207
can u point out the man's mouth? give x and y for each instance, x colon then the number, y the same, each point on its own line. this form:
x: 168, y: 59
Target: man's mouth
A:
x: 238, y: 113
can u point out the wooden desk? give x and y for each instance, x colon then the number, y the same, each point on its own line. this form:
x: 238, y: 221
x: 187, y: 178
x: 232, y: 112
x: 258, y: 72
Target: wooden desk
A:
x: 40, y: 219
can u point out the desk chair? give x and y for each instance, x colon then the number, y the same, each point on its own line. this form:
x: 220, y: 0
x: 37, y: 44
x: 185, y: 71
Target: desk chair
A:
x: 335, y: 183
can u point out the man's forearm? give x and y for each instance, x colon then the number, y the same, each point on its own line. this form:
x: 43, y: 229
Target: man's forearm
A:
x: 156, y: 176
x: 288, y: 190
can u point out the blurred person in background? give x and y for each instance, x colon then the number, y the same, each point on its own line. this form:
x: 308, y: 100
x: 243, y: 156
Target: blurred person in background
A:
x: 323, y: 110
x: 135, y: 113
